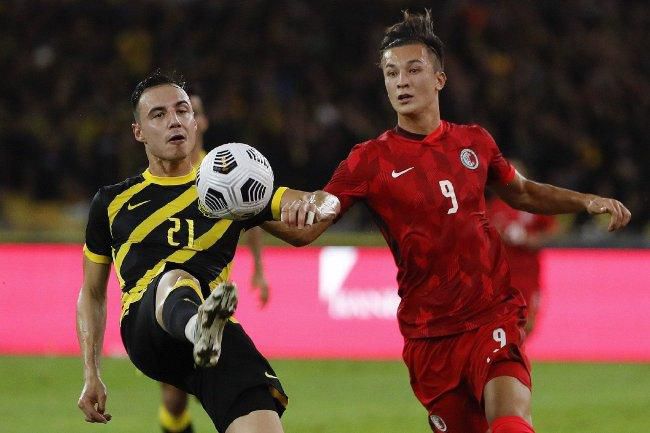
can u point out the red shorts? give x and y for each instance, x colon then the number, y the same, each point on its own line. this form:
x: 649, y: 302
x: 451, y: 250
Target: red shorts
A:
x: 448, y: 373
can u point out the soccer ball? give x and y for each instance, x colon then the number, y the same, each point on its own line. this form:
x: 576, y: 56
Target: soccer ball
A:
x: 235, y: 182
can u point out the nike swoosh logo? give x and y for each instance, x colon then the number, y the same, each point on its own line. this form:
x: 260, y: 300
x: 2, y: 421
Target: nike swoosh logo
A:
x: 270, y: 376
x: 131, y: 207
x: 397, y: 174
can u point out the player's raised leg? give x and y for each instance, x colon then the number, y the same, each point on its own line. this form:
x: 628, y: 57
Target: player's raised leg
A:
x: 178, y: 297
x: 182, y: 312
x: 211, y: 321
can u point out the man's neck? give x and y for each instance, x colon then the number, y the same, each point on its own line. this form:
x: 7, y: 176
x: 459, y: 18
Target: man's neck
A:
x: 423, y: 124
x: 162, y: 168
x: 197, y: 152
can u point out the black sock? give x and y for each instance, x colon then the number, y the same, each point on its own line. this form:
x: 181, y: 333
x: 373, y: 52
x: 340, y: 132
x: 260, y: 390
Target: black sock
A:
x: 181, y: 304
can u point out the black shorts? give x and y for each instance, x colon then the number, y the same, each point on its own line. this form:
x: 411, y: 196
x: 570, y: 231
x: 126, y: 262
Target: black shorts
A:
x: 241, y: 382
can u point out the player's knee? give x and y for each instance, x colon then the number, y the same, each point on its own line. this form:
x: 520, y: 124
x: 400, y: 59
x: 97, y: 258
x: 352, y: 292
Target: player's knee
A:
x: 170, y: 281
x: 510, y: 409
x: 176, y: 278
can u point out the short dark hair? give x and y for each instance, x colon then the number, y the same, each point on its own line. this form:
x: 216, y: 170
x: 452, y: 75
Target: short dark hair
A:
x: 412, y: 29
x: 156, y: 78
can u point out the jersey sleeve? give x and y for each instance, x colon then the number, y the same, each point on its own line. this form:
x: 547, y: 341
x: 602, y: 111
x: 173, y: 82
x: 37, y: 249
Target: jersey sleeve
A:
x: 500, y: 170
x: 98, y: 235
x: 349, y: 183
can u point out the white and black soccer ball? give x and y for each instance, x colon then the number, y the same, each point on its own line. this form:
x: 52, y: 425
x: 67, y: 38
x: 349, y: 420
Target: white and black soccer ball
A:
x: 235, y: 181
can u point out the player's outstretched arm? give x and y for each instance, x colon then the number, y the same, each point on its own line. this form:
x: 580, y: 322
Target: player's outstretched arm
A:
x: 91, y: 323
x: 304, y: 217
x: 541, y: 198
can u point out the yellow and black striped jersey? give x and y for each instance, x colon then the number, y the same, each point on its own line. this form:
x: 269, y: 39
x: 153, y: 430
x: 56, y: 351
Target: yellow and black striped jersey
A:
x: 145, y: 222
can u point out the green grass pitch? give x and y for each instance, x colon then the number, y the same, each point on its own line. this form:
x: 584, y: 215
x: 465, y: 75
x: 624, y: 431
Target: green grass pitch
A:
x: 39, y: 395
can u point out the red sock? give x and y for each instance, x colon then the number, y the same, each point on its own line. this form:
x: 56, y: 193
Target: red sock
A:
x: 511, y: 424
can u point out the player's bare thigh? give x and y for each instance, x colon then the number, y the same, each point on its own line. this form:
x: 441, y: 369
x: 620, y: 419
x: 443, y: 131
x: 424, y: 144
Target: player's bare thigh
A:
x: 165, y: 287
x: 506, y: 396
x: 258, y: 421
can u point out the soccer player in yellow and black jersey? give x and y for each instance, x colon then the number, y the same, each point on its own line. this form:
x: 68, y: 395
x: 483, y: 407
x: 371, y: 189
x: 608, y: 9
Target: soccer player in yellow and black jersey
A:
x: 174, y: 415
x: 172, y: 263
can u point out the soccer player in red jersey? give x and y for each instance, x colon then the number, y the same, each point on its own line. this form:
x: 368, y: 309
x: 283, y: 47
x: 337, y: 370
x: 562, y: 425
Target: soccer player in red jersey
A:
x: 424, y: 182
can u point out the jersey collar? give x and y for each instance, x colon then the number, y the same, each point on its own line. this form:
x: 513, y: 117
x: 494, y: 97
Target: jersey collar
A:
x: 431, y: 138
x: 175, y: 180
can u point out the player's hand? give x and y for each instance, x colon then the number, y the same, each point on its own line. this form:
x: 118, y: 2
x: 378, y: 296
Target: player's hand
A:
x: 92, y: 401
x: 620, y: 215
x: 312, y: 207
x: 258, y: 282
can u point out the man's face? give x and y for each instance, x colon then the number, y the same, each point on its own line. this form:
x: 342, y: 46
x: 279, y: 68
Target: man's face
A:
x: 166, y: 122
x: 413, y: 78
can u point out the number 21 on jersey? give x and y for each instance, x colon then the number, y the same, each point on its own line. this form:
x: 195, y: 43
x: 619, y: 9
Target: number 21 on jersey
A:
x: 177, y: 226
x: 447, y: 189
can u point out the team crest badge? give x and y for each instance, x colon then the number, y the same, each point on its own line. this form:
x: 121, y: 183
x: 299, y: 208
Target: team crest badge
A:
x: 469, y: 159
x: 438, y: 423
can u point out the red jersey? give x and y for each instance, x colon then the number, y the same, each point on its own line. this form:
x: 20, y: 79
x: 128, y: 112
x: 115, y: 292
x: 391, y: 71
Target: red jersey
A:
x: 427, y: 197
x: 519, y: 225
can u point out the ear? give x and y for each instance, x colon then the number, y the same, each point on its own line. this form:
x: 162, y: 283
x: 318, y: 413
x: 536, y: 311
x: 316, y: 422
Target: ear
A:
x: 137, y: 132
x: 441, y: 80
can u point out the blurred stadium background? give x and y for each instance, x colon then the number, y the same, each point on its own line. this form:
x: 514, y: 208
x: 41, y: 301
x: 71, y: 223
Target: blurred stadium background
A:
x: 564, y: 86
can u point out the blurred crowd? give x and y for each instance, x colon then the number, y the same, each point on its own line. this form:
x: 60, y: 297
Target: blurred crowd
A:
x: 562, y: 85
